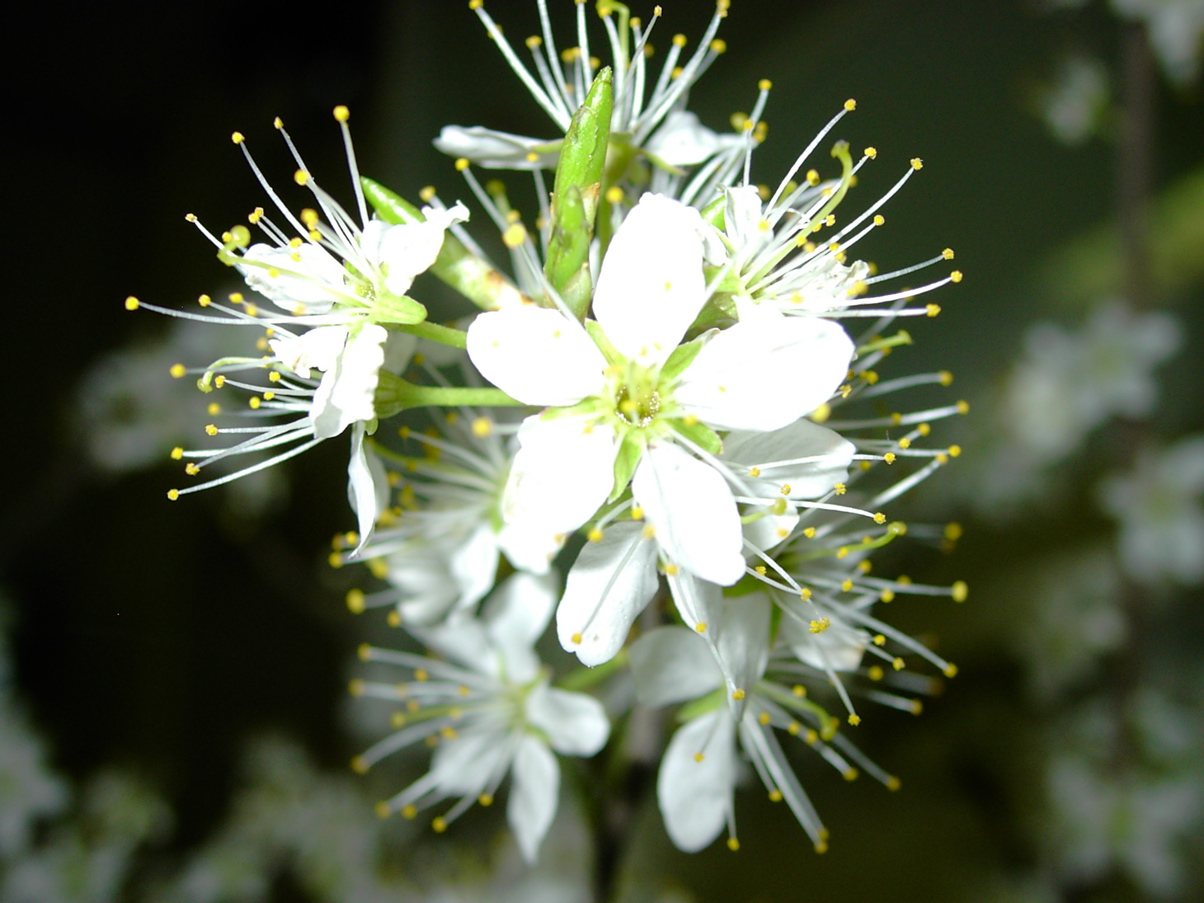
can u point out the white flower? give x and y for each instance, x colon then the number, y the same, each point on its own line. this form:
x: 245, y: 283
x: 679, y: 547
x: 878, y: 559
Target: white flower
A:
x: 1161, y: 518
x: 613, y: 578
x: 650, y: 121
x: 626, y: 399
x: 493, y: 710
x: 696, y: 783
x: 350, y: 361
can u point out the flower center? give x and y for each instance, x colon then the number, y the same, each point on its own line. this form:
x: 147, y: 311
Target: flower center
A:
x: 637, y: 404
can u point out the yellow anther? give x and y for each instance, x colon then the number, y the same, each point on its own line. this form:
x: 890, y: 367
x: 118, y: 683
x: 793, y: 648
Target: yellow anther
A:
x: 576, y: 638
x: 954, y: 451
x: 300, y: 177
x: 698, y: 757
x: 482, y: 427
x: 924, y: 429
x: 917, y: 163
x: 760, y: 569
x: 854, y: 719
x: 173, y: 494
x: 637, y: 513
x: 892, y: 782
x: 764, y: 85
x: 700, y: 627
x: 733, y: 844
x: 754, y: 471
x: 785, y: 489
x: 820, y: 625
x: 879, y: 640
x: 614, y: 195
x: 879, y: 517
x: 594, y: 535
x: 236, y: 297
x: 737, y: 694
x: 409, y: 811
x: 439, y: 824
x: 672, y: 570
x: 192, y: 469
x: 953, y: 532
x: 887, y: 595
x: 955, y: 276
x: 514, y: 236
x: 805, y: 594
x: 462, y: 164
x: 204, y: 300
x: 355, y: 601
x: 475, y: 4
x: 963, y: 407
x: 649, y: 531
x: 131, y: 303
x: 254, y: 402
x: 916, y: 707
x: 947, y: 253
x: 889, y: 458
x: 874, y: 672
x: 809, y: 532
x: 841, y: 488
x: 278, y: 123
x: 177, y: 370
x: 872, y: 153
x: 360, y: 765
x: 718, y: 46
x: 775, y: 795
x: 897, y: 664
x: 211, y: 429
x: 237, y: 138
x: 879, y: 220
x: 932, y: 310
x: 812, y: 177
x: 822, y: 413
x: 763, y: 718
x: 850, y: 105
x: 850, y: 774
x: 950, y: 670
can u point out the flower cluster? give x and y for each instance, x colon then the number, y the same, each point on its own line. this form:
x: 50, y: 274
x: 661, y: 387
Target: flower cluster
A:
x: 663, y: 400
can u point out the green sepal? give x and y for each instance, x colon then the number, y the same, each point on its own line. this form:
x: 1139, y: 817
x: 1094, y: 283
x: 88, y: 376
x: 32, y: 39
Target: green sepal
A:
x: 576, y: 193
x: 681, y: 357
x: 631, y: 449
x: 700, y: 434
x: 456, y: 266
x: 702, y: 705
x: 401, y: 310
x: 608, y: 350
x: 715, y: 213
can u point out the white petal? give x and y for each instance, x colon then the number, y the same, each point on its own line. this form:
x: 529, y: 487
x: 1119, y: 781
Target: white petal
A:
x: 807, y: 457
x: 651, y: 285
x: 738, y: 634
x: 497, y: 150
x: 529, y: 548
x: 463, y: 639
x: 534, y: 792
x: 536, y: 355
x: 695, y: 795
x: 472, y: 562
x: 515, y: 616
x: 608, y: 586
x: 315, y: 349
x: 346, y: 393
x: 838, y: 647
x: 765, y: 373
x: 563, y: 471
x: 464, y: 766
x: 575, y: 724
x: 672, y: 665
x: 682, y: 140
x: 399, y: 252
x: 367, y: 486
x: 691, y: 509
x: 306, y: 280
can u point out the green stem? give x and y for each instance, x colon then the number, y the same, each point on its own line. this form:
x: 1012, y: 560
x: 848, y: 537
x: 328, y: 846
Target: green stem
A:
x: 444, y: 335
x: 394, y: 395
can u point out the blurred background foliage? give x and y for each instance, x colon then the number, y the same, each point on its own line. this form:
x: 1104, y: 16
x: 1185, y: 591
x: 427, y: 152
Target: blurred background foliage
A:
x: 174, y: 716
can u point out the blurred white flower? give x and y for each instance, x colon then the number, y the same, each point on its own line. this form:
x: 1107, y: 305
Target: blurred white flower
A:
x: 492, y: 710
x: 1161, y: 518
